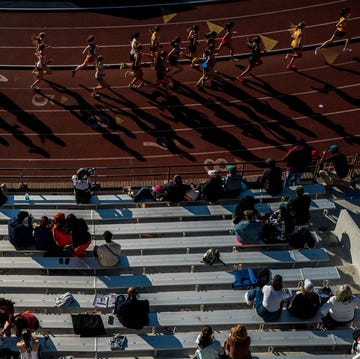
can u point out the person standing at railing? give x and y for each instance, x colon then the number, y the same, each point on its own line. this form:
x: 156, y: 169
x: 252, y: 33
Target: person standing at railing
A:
x: 298, y: 158
x: 339, y: 162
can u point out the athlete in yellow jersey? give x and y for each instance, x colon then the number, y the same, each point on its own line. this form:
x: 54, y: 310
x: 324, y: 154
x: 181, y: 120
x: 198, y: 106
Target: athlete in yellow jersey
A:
x: 154, y: 42
x: 297, y: 35
x: 340, y: 32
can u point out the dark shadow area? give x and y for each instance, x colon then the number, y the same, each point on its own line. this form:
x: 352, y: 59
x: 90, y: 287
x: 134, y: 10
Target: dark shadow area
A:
x: 297, y: 105
x: 331, y: 88
x: 95, y: 117
x: 164, y: 136
x: 30, y: 121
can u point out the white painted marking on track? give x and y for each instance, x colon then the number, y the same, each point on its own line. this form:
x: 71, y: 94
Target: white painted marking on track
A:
x: 154, y: 144
x: 172, y: 155
x: 149, y: 25
x: 189, y: 105
x: 3, y: 78
x: 187, y: 129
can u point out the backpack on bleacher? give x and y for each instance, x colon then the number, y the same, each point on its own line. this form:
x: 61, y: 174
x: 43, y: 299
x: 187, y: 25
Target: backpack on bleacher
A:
x: 64, y: 300
x: 212, y: 256
x: 251, y: 278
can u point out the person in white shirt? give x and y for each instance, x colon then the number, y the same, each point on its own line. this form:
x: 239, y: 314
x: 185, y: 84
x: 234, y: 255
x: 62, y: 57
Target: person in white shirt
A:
x: 28, y: 346
x: 339, y: 309
x: 108, y: 254
x: 268, y: 300
x: 208, y: 346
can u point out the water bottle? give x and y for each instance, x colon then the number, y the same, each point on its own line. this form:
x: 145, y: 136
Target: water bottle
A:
x: 27, y: 198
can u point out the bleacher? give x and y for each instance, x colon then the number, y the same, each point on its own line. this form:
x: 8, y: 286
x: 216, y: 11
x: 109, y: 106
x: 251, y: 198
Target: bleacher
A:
x: 162, y: 248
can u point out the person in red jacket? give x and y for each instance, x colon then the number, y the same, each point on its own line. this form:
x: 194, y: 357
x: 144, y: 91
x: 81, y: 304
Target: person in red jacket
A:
x: 298, y: 158
x: 61, y: 232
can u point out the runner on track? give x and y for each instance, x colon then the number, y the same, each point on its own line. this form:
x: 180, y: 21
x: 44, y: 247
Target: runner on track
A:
x: 41, y: 66
x: 340, y: 32
x: 99, y: 76
x: 297, y: 35
x: 254, y: 59
x: 89, y: 51
x: 154, y: 42
x: 227, y: 40
x: 193, y: 36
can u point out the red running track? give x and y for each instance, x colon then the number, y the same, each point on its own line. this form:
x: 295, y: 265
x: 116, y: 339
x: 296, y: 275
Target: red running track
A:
x: 63, y: 126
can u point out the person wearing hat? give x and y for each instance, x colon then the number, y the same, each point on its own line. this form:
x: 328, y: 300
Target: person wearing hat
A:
x: 20, y: 232
x: 232, y: 182
x: 338, y: 160
x: 212, y: 189
x: 299, y: 206
x: 82, y: 185
x: 305, y: 303
x: 271, y: 178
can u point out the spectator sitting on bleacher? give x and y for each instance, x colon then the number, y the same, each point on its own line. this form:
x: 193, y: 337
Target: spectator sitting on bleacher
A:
x: 298, y: 159
x: 268, y: 300
x: 212, y: 189
x: 299, y: 206
x: 82, y: 185
x: 339, y: 162
x: 43, y: 235
x: 208, y: 346
x: 3, y: 194
x: 108, y: 254
x: 21, y: 234
x: 80, y: 235
x: 232, y: 182
x: 306, y: 302
x: 339, y: 309
x: 245, y: 204
x: 249, y: 230
x: 176, y: 189
x: 237, y: 344
x: 25, y: 321
x: 28, y: 346
x: 271, y: 178
x: 61, y: 233
x: 279, y: 226
x: 133, y: 313
x: 6, y: 316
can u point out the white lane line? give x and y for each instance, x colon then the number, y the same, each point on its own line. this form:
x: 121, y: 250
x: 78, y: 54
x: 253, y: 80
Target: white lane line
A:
x: 126, y: 158
x: 79, y: 88
x: 189, y: 129
x: 92, y: 109
x: 148, y: 44
x: 179, y: 22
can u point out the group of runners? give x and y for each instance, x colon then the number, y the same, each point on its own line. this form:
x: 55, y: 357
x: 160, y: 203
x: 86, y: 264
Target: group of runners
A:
x: 166, y: 63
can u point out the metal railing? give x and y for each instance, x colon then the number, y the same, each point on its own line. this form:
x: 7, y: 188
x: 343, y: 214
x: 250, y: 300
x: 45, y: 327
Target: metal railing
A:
x: 138, y: 175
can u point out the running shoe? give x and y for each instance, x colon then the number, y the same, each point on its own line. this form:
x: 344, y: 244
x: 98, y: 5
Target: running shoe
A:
x: 287, y: 56
x: 317, y: 50
x: 291, y: 67
x: 239, y: 78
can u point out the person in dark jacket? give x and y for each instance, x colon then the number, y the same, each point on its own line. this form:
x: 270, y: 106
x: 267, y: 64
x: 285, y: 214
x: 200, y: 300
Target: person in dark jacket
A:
x: 43, y: 235
x: 176, y: 190
x: 306, y: 302
x: 134, y: 313
x: 212, y: 190
x: 245, y: 204
x: 299, y: 206
x: 271, y: 178
x: 232, y: 182
x: 339, y: 162
x: 20, y: 233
